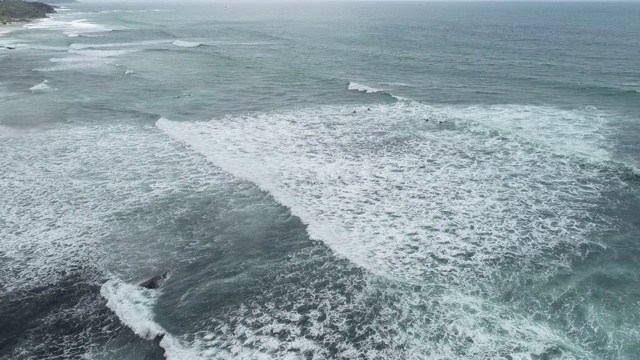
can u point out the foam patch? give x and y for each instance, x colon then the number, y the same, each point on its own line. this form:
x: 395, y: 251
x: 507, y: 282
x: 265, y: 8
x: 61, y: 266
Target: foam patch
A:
x: 453, y: 202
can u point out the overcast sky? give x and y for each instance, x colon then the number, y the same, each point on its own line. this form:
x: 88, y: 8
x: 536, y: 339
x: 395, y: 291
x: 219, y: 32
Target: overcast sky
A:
x: 266, y: 1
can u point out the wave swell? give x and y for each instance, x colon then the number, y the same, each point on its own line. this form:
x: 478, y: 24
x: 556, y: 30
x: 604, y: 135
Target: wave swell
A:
x: 354, y: 86
x: 186, y: 44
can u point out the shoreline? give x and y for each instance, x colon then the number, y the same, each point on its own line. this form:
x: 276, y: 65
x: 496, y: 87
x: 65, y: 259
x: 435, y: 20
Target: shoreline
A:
x: 15, y: 21
x: 4, y: 31
x: 5, y: 26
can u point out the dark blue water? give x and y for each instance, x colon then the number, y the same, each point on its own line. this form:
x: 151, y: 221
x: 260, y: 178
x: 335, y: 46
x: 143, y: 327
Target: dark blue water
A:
x: 321, y: 181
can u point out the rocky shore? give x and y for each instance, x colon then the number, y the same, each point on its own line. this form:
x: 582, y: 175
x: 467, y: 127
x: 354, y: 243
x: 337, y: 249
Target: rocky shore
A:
x: 15, y: 20
x: 12, y: 11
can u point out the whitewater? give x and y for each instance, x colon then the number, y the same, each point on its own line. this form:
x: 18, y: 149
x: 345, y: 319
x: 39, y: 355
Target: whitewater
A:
x: 344, y: 181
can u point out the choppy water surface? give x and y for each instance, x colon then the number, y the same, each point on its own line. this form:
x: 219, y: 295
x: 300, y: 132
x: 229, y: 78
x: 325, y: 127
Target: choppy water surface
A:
x: 348, y: 180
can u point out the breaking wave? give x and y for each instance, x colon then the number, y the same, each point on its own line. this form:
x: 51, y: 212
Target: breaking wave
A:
x: 462, y: 208
x: 371, y: 90
x: 411, y: 199
x: 43, y: 86
x: 364, y: 88
x: 79, y: 26
x: 186, y: 44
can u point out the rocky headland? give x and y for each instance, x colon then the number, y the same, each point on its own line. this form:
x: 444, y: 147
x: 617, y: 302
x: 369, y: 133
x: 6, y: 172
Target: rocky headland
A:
x: 18, y: 10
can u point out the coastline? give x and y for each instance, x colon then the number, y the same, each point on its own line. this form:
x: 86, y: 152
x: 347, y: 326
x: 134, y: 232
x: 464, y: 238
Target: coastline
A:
x: 5, y: 26
x: 23, y: 11
x: 4, y: 31
x: 15, y: 21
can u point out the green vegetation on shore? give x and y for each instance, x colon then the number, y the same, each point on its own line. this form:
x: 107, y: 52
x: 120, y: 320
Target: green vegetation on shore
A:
x: 59, y: 1
x: 19, y: 10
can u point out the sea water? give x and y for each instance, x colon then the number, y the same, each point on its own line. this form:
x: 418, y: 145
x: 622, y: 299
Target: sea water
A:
x: 321, y: 181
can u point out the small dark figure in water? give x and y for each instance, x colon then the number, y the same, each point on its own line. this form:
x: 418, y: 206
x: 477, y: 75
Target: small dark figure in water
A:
x: 441, y: 121
x: 368, y: 109
x: 427, y: 119
x: 353, y: 112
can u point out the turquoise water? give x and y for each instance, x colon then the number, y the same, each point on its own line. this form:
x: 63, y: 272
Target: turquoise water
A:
x: 321, y: 181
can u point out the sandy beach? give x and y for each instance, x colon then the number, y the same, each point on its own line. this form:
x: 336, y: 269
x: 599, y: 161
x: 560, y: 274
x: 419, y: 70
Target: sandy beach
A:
x: 4, y: 31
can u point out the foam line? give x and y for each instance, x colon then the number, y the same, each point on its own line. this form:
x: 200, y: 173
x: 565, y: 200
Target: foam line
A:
x: 371, y: 90
x: 364, y: 88
x: 186, y: 44
x: 78, y: 26
x: 409, y: 199
x: 83, y: 59
x: 134, y: 307
x: 137, y: 44
x: 43, y: 86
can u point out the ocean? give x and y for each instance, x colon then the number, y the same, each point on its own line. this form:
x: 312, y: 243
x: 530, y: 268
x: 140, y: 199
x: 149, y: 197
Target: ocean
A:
x: 340, y: 180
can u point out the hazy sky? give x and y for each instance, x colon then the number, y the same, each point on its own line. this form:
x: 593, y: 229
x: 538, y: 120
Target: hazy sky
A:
x: 266, y: 1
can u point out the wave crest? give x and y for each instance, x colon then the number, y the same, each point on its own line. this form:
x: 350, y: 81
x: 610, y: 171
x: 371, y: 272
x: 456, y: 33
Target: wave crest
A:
x: 186, y: 44
x: 354, y: 86
x: 133, y: 305
x: 364, y: 88
x: 43, y: 86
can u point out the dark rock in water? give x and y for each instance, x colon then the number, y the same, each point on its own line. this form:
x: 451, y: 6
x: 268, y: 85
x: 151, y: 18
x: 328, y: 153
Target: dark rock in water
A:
x: 156, y: 281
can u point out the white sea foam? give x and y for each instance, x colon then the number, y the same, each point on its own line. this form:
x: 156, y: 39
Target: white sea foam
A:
x: 43, y: 86
x: 342, y: 174
x: 59, y: 198
x: 101, y: 53
x: 370, y: 90
x: 136, y: 44
x: 187, y: 44
x: 465, y: 207
x: 47, y: 225
x: 362, y: 316
x: 67, y: 64
x: 134, y: 307
x: 408, y: 199
x: 84, y: 59
x: 23, y: 46
x: 364, y: 88
x: 73, y: 26
x: 115, y: 11
x: 567, y: 131
x: 240, y: 43
x: 398, y: 84
x: 60, y: 202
